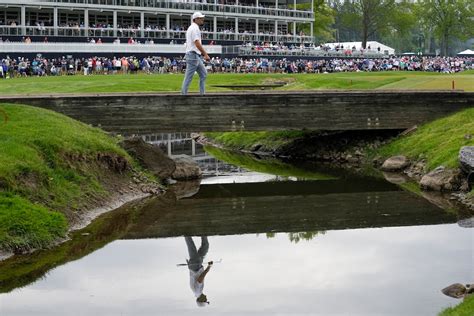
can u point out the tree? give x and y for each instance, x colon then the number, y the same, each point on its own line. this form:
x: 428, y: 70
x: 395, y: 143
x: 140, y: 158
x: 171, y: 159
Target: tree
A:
x: 375, y: 16
x: 404, y: 33
x: 323, y: 20
x: 363, y: 19
x: 347, y: 21
x: 450, y: 20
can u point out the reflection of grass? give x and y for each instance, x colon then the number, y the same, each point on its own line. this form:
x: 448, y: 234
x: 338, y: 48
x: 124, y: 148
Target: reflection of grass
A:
x: 466, y: 308
x: 19, y: 271
x: 267, y: 165
x: 268, y: 141
x: 412, y: 186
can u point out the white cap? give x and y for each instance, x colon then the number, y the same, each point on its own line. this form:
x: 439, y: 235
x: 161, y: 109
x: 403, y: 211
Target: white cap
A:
x: 197, y: 15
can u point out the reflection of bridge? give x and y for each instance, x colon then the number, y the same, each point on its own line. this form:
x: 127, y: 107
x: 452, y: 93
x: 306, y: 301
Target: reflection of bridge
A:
x: 182, y: 143
x: 227, y: 209
x: 283, y: 110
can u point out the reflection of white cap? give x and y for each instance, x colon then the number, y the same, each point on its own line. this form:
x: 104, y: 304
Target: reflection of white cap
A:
x: 197, y: 15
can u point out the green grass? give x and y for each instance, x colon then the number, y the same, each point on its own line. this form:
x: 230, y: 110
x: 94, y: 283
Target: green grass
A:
x: 466, y: 308
x: 267, y: 165
x: 24, y: 225
x: 19, y: 271
x: 438, y: 142
x: 172, y: 82
x: 47, y: 162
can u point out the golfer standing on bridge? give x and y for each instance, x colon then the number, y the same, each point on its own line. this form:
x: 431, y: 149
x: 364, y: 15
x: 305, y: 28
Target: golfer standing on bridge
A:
x: 194, y: 55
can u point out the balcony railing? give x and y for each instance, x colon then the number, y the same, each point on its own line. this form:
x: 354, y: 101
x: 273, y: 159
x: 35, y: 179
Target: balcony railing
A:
x: 65, y: 48
x: 197, y: 6
x: 150, y: 34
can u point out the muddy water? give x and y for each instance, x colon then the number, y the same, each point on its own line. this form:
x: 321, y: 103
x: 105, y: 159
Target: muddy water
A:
x: 331, y: 245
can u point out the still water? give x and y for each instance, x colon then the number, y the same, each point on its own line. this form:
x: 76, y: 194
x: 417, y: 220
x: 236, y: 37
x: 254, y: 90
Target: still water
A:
x: 336, y: 245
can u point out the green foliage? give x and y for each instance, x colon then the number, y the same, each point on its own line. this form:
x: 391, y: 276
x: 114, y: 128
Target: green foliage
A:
x: 466, y: 308
x: 323, y: 21
x: 405, y: 25
x: 448, y: 20
x: 307, y: 236
x: 363, y: 20
x: 50, y: 160
x: 403, y: 34
x: 24, y: 225
x: 297, y: 237
x: 438, y: 142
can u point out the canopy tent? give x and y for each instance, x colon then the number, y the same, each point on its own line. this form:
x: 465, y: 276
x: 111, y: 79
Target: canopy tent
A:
x: 467, y: 52
x: 372, y: 44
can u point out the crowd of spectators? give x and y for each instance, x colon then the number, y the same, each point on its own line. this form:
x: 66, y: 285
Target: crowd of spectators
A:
x: 323, y: 49
x: 23, y: 67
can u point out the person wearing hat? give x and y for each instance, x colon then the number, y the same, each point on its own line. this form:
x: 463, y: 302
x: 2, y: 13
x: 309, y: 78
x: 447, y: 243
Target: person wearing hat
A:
x: 195, y: 53
x: 197, y: 273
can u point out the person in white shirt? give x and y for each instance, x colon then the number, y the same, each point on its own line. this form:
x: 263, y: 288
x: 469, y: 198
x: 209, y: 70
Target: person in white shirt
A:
x: 195, y: 53
x: 197, y: 273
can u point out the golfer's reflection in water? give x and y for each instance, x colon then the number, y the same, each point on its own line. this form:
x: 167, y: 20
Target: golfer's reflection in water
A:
x: 197, y: 273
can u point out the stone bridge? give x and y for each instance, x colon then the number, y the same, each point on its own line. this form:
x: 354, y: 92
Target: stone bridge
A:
x: 145, y: 113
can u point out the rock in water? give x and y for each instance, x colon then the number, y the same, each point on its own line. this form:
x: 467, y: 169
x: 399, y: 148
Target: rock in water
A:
x: 150, y: 157
x: 466, y: 223
x: 456, y: 290
x: 442, y: 179
x: 395, y: 163
x: 186, y: 168
x: 466, y: 158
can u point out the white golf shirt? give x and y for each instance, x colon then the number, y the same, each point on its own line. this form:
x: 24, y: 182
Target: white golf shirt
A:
x: 196, y: 287
x: 192, y: 34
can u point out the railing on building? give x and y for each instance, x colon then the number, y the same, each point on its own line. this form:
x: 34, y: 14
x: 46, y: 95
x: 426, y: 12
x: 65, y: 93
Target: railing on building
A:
x: 197, y: 6
x: 146, y: 33
x: 151, y: 49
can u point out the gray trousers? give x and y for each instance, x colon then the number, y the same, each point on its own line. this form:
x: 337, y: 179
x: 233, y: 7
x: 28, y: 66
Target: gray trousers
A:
x: 194, y: 63
x: 196, y: 256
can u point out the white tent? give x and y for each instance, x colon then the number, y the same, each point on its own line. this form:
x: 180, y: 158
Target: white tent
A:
x: 372, y: 44
x: 467, y: 52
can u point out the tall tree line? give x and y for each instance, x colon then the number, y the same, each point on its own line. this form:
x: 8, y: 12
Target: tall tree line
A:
x: 425, y: 26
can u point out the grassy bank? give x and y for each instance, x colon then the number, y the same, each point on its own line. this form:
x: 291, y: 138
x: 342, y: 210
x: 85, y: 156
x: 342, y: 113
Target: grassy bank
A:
x: 466, y: 308
x: 51, y: 169
x: 438, y: 142
x: 172, y: 82
x: 19, y: 271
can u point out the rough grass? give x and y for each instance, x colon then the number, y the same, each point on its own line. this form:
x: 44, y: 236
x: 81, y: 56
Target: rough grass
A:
x: 39, y: 173
x: 466, y: 308
x: 172, y: 82
x: 438, y: 142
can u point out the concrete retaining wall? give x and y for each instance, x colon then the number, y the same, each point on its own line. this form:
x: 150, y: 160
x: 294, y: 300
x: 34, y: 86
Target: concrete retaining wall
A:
x: 251, y: 111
